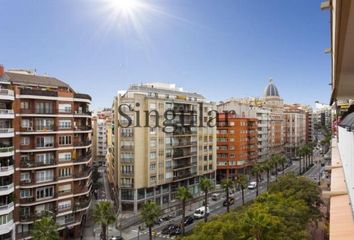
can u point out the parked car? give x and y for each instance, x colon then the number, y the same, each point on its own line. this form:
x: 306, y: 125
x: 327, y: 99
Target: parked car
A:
x: 117, y: 238
x: 200, y: 212
x: 168, y: 229
x: 177, y: 230
x: 215, y: 196
x: 188, y: 220
x: 231, y: 201
x: 252, y: 185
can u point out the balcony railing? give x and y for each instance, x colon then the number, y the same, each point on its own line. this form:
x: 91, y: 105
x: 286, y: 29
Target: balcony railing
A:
x: 6, y: 187
x: 84, y: 158
x: 6, y: 92
x: 6, y: 168
x: 38, y: 92
x: 6, y: 149
x: 82, y: 113
x: 83, y: 128
x: 82, y: 95
x: 6, y: 111
x: 6, y: 206
x: 32, y: 164
x: 82, y: 143
x: 6, y: 130
x: 83, y: 173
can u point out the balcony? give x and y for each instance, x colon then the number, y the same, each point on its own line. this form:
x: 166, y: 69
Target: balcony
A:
x: 6, y: 208
x: 6, y: 170
x: 6, y: 94
x: 83, y: 128
x: 86, y: 113
x: 182, y: 175
x: 6, y: 151
x: 38, y: 92
x: 84, y: 143
x: 83, y: 159
x: 7, y: 114
x: 82, y: 96
x: 6, y: 189
x: 34, y: 164
x: 83, y: 173
x: 7, y: 132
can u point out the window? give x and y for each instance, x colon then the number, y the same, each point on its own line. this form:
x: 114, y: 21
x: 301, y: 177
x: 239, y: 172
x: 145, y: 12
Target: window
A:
x: 25, y: 141
x: 64, y: 172
x: 44, y: 158
x: 152, y: 155
x: 152, y: 167
x: 5, y: 218
x: 44, y: 124
x: 64, y: 140
x: 44, y: 176
x: 64, y: 108
x: 64, y: 124
x: 25, y: 177
x: 63, y: 205
x: 66, y: 156
x: 24, y: 105
x: 44, y: 107
x: 25, y: 123
x: 26, y: 193
x: 45, y: 142
x: 45, y: 192
x: 153, y: 143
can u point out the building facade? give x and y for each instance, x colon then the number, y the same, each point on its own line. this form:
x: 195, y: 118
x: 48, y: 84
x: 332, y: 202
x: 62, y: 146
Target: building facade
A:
x: 236, y: 145
x: 163, y: 145
x: 51, y: 152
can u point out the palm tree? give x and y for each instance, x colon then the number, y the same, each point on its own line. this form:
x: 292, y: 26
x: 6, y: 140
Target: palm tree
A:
x: 183, y: 195
x: 282, y: 161
x: 242, y: 181
x: 267, y: 167
x: 301, y: 154
x: 205, y: 185
x: 103, y: 214
x: 149, y: 215
x: 45, y: 229
x: 275, y: 161
x: 226, y: 185
x: 256, y: 171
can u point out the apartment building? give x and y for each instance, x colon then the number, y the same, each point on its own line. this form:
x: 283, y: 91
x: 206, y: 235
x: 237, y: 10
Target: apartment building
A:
x: 100, y: 123
x: 236, y: 145
x: 7, y: 133
x: 252, y: 108
x: 50, y: 149
x: 295, y: 128
x: 274, y: 103
x: 341, y: 192
x: 153, y: 161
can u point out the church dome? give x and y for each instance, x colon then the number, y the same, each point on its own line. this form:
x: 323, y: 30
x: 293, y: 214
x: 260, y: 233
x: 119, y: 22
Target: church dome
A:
x: 271, y: 90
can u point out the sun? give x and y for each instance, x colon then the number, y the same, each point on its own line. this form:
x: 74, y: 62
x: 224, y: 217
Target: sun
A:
x: 124, y: 6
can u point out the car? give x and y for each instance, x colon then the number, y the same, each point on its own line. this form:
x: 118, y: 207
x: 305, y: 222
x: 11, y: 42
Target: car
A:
x: 215, y: 196
x: 177, y: 230
x: 200, y: 212
x: 188, y: 220
x: 168, y: 229
x: 231, y: 201
x: 252, y: 185
x: 116, y: 238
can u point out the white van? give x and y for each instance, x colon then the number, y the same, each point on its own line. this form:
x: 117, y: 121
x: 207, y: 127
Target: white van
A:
x: 252, y: 185
x: 200, y: 212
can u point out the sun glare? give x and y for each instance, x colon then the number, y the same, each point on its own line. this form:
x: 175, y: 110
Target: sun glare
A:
x: 125, y: 6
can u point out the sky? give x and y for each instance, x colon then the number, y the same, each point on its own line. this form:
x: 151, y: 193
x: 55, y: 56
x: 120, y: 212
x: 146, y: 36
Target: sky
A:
x: 218, y: 48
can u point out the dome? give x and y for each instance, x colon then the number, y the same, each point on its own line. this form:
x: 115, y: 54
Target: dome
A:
x: 271, y: 90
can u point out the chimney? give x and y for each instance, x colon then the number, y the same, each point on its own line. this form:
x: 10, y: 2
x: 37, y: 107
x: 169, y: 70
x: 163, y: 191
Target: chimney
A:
x: 2, y: 70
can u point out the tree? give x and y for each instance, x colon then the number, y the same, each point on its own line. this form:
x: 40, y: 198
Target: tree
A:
x: 183, y: 195
x: 205, y: 185
x: 45, y: 229
x: 256, y: 171
x: 267, y: 167
x: 242, y: 181
x: 282, y: 161
x: 104, y: 214
x: 226, y: 185
x: 301, y: 155
x: 150, y: 214
x: 275, y: 159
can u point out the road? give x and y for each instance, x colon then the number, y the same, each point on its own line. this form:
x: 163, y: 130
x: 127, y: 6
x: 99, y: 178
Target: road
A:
x: 217, y: 208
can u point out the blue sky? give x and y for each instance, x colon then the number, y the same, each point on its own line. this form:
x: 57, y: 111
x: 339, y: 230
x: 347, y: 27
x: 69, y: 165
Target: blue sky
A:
x: 219, y: 48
